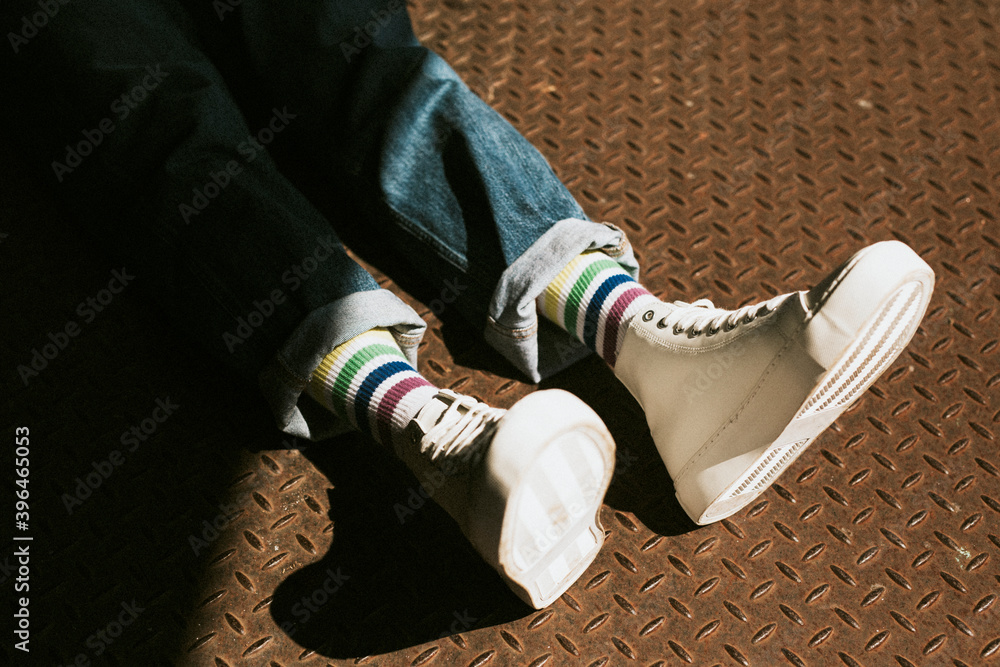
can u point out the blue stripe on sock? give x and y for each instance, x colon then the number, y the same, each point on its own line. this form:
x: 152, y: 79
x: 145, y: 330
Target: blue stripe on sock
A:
x: 367, y: 390
x: 593, y: 316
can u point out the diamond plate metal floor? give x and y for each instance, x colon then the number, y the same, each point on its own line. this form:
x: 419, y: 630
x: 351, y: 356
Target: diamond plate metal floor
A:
x: 748, y: 148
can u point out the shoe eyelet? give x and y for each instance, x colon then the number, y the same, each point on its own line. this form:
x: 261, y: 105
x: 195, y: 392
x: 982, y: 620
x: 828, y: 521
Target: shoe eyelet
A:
x: 662, y: 324
x: 749, y: 317
x: 694, y: 333
x: 678, y: 330
x: 712, y: 331
x: 647, y: 316
x: 728, y: 326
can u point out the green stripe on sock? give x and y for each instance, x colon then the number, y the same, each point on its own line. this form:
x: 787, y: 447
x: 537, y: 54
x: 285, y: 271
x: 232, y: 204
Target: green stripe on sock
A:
x: 351, y: 368
x: 580, y: 288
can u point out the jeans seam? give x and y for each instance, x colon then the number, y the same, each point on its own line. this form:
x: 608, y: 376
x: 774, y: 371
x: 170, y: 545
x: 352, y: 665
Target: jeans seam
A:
x: 619, y: 249
x: 445, y: 253
x: 297, y: 383
x: 521, y: 333
x: 407, y: 340
x: 422, y: 234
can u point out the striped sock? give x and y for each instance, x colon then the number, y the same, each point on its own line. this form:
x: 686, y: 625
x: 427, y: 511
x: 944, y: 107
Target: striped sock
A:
x: 593, y: 298
x: 368, y: 382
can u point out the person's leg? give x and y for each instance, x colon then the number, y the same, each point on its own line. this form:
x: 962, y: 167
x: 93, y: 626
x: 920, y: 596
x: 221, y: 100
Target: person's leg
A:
x: 594, y: 298
x: 118, y: 110
x: 406, y: 160
x: 177, y: 186
x: 182, y: 188
x: 418, y: 171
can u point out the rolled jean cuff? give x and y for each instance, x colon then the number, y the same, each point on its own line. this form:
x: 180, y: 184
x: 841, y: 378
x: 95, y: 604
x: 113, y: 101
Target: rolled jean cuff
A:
x: 534, y: 345
x: 286, y: 376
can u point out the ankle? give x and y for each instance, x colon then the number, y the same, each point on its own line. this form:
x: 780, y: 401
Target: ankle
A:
x: 368, y: 382
x: 453, y: 427
x: 592, y: 299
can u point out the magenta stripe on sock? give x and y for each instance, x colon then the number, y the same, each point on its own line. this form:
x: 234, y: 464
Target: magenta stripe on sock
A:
x: 614, y: 320
x: 390, y: 400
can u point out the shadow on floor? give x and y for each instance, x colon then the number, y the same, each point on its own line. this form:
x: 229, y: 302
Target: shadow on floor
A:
x: 399, y: 571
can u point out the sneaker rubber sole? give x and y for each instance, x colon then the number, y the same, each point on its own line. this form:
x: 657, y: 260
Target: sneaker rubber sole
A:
x: 878, y: 343
x: 550, y: 464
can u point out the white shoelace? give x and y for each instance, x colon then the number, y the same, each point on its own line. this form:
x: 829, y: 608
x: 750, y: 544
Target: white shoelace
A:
x: 703, y: 316
x: 461, y: 435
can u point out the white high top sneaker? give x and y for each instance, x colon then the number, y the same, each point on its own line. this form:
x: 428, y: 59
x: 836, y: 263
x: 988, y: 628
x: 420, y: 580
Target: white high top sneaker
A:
x: 732, y: 397
x: 525, y: 485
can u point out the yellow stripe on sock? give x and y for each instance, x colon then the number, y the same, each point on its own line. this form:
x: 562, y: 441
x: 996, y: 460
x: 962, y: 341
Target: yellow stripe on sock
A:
x: 350, y: 347
x: 559, y: 284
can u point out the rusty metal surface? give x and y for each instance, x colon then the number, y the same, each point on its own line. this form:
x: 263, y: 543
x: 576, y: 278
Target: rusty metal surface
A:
x: 748, y: 148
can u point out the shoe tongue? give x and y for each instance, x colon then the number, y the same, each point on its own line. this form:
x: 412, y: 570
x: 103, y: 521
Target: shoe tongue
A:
x: 430, y: 414
x: 451, y: 425
x: 700, y: 303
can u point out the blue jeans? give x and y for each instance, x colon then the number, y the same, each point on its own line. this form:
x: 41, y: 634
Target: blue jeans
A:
x: 221, y: 152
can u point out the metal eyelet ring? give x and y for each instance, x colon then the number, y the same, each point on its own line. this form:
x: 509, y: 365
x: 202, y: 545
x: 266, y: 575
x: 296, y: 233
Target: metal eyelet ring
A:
x: 728, y: 326
x: 694, y: 333
x: 662, y: 324
x: 647, y: 316
x: 678, y: 330
x: 712, y: 331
